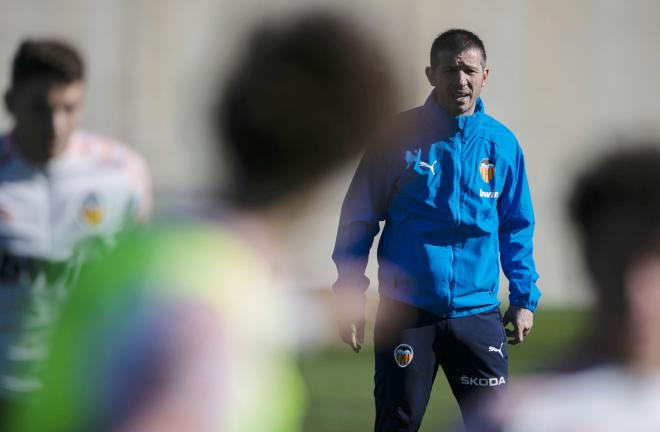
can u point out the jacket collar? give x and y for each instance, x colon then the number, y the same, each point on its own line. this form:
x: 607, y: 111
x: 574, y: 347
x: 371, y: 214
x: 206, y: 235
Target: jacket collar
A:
x: 438, y: 117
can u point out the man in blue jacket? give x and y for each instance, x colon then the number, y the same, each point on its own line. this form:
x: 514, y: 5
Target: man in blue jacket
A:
x: 449, y: 181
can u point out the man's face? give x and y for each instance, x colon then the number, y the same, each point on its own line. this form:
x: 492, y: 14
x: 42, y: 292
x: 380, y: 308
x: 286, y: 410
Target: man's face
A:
x: 642, y: 289
x: 458, y: 79
x: 45, y: 115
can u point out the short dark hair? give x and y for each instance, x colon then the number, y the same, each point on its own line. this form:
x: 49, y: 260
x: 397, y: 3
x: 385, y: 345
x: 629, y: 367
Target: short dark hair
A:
x: 48, y: 58
x: 306, y: 97
x: 615, y: 206
x: 456, y: 41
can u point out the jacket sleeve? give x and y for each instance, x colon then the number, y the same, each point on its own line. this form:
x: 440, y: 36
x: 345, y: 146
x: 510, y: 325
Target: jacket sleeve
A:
x: 516, y: 218
x: 364, y: 206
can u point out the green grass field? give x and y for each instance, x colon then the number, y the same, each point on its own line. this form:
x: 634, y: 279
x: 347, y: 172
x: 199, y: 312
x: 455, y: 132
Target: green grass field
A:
x: 340, y: 382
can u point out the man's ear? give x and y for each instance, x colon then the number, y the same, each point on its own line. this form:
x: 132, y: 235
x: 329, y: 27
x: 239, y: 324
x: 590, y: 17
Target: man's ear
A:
x: 486, y: 73
x: 429, y: 75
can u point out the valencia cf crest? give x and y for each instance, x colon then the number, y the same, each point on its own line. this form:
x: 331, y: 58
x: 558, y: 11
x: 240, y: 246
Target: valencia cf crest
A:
x: 403, y: 355
x: 91, y: 213
x: 487, y: 169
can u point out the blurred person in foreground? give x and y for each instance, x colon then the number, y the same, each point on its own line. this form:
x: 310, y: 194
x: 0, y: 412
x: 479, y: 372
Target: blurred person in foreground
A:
x: 64, y: 195
x: 611, y: 381
x: 449, y: 181
x: 187, y: 328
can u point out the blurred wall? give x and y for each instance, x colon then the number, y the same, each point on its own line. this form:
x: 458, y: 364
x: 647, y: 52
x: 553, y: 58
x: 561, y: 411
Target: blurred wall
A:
x: 566, y: 75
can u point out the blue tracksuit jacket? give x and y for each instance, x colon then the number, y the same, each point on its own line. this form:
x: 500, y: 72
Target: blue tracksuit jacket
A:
x: 455, y: 200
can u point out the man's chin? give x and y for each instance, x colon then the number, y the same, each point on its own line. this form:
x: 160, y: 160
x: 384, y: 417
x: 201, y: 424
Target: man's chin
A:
x: 456, y: 108
x: 464, y: 109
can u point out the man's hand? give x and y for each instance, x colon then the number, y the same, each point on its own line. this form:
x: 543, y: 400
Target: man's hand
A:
x: 522, y: 320
x: 350, y: 317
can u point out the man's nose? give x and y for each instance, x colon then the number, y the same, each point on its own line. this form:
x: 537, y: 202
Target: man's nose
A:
x: 462, y: 78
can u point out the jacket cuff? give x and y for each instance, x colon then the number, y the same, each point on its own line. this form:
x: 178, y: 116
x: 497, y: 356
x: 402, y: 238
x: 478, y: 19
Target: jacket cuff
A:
x: 524, y: 295
x: 352, y: 284
x: 529, y: 305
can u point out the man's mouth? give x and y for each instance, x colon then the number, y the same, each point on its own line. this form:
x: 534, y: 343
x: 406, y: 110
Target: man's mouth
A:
x: 460, y: 95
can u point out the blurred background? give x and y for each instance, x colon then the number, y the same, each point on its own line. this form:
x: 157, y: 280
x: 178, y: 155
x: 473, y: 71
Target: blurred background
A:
x: 566, y: 77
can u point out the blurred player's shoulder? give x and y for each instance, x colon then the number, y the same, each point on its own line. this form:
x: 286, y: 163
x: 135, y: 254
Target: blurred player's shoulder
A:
x: 101, y: 154
x: 101, y: 149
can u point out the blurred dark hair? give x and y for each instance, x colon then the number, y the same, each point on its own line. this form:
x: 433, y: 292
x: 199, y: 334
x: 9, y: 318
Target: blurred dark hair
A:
x: 307, y: 96
x: 615, y: 205
x: 456, y: 41
x: 46, y: 58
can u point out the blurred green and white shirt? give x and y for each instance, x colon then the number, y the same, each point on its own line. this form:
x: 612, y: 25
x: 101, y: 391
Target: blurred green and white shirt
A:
x: 52, y: 219
x: 181, y: 328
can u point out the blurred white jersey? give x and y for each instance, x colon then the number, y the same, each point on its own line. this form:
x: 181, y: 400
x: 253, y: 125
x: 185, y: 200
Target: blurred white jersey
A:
x: 50, y: 219
x: 601, y: 399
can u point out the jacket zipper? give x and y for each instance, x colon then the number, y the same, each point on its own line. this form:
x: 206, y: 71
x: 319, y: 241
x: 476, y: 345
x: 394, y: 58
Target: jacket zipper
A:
x: 451, y: 279
x: 454, y: 249
x: 460, y: 174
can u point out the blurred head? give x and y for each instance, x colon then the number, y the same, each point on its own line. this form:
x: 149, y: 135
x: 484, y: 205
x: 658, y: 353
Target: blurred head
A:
x: 45, y: 97
x: 616, y: 208
x: 458, y: 71
x: 307, y: 95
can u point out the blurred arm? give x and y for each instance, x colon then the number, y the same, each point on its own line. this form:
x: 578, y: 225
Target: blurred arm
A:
x: 364, y: 206
x: 515, y: 236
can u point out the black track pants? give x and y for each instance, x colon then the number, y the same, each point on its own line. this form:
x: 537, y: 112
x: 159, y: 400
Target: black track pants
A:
x: 410, y: 345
